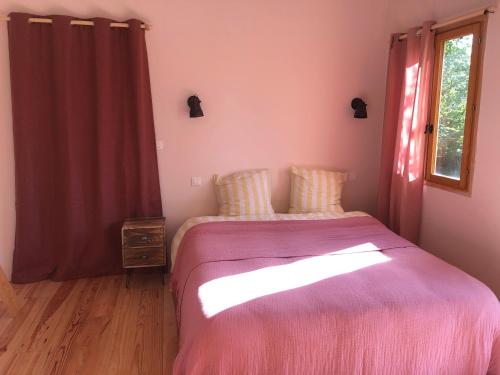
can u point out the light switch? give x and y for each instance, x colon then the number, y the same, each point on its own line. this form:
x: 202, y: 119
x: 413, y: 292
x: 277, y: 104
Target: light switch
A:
x: 159, y: 144
x: 196, y: 181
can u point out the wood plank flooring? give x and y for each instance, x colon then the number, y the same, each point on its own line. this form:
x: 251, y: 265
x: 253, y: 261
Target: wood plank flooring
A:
x: 90, y: 326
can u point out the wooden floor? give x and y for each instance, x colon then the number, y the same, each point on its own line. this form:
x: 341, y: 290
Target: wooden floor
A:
x: 90, y: 326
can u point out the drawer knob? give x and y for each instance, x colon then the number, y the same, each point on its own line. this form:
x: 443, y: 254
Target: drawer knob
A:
x: 145, y: 238
x: 144, y: 257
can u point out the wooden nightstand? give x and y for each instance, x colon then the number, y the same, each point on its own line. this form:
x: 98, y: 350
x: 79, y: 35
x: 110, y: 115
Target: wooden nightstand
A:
x: 143, y: 244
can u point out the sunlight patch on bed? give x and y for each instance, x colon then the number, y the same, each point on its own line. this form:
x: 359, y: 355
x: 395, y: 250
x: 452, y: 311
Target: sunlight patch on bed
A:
x: 229, y: 291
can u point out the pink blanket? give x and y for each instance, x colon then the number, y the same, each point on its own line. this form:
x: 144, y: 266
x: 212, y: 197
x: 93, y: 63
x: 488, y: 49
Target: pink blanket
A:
x: 344, y: 296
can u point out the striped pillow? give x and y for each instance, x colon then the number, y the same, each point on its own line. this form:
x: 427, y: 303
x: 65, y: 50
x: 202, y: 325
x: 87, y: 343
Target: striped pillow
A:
x: 316, y: 190
x: 244, y: 193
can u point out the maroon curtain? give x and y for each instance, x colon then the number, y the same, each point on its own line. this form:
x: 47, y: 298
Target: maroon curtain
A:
x: 408, y: 92
x: 84, y: 144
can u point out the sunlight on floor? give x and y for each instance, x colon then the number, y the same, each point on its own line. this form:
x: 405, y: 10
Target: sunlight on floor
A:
x: 229, y: 291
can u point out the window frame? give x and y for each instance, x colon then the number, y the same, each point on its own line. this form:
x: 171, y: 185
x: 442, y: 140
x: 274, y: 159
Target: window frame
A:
x: 476, y: 27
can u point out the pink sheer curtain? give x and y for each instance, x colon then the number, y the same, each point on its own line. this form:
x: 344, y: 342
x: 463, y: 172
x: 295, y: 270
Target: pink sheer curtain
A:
x: 409, y: 82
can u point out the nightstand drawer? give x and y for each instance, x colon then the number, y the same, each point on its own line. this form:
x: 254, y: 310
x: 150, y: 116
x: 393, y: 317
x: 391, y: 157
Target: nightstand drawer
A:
x: 143, y: 237
x: 143, y: 257
x: 143, y: 244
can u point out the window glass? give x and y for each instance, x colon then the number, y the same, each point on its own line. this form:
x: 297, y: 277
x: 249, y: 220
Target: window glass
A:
x: 453, y: 105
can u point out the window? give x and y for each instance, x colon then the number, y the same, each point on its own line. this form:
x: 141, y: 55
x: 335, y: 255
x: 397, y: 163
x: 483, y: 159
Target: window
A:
x: 453, y: 110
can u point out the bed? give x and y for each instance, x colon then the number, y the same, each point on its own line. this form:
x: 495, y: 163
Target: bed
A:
x: 324, y: 294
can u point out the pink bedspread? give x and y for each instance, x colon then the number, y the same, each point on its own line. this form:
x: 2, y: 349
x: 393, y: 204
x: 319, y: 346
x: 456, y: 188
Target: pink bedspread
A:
x: 317, y: 297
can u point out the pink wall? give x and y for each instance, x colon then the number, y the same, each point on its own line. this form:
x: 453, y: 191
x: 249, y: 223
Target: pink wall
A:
x: 465, y: 230
x: 7, y: 196
x: 276, y: 79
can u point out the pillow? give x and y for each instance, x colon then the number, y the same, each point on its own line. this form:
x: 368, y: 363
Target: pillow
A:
x: 316, y: 190
x: 244, y: 193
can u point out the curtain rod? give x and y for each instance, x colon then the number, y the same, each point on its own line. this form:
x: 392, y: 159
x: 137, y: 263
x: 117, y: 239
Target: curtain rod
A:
x: 123, y: 25
x: 450, y: 21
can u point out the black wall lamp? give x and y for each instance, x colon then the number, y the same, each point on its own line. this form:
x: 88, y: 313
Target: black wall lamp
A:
x: 359, y: 107
x: 194, y: 106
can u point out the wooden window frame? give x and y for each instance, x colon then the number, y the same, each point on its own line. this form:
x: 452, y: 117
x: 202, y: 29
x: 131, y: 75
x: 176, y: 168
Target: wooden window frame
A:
x: 476, y: 27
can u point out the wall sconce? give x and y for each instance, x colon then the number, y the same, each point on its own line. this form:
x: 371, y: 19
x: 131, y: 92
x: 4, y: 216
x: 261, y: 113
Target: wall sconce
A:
x: 359, y: 107
x: 194, y: 106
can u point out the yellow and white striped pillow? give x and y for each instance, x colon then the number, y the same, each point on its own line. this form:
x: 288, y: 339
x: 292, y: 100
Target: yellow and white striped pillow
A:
x: 316, y: 190
x: 244, y: 193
